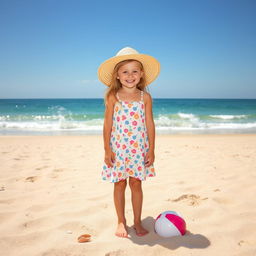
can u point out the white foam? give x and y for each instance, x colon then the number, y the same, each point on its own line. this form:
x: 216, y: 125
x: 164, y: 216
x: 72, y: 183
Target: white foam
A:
x: 228, y: 116
x: 186, y: 116
x: 164, y: 123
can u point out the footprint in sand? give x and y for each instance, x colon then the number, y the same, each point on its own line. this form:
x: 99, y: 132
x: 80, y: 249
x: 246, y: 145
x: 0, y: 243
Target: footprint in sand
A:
x: 241, y: 242
x: 31, y: 179
x: 190, y: 199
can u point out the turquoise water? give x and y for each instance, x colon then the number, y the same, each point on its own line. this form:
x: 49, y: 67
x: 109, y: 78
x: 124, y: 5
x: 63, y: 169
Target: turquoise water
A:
x: 86, y: 116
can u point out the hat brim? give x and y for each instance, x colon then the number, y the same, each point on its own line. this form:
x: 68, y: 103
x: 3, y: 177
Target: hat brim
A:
x: 150, y: 64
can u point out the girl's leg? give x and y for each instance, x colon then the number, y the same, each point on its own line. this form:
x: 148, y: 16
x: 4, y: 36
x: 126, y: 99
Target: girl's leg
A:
x: 137, y: 199
x: 119, y: 200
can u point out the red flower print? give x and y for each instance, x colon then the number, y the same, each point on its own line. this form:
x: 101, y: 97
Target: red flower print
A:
x: 132, y: 113
x: 126, y: 130
x: 123, y: 147
x: 134, y: 151
x: 123, y: 117
x: 134, y: 122
x: 131, y: 142
x: 118, y: 119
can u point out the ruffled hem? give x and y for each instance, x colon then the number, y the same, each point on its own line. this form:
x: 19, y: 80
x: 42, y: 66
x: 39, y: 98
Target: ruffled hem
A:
x: 125, y: 170
x: 117, y: 179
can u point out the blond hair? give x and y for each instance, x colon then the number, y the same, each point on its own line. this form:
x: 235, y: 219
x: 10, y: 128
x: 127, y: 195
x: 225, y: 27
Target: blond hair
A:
x: 115, y: 83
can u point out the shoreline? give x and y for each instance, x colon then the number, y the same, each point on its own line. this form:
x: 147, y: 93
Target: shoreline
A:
x: 156, y: 136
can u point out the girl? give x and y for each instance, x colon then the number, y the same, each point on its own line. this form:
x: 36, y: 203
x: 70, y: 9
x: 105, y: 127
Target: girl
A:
x: 129, y: 129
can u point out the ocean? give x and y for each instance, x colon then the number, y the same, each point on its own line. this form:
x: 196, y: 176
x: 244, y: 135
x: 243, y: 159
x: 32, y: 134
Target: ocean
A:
x: 86, y: 116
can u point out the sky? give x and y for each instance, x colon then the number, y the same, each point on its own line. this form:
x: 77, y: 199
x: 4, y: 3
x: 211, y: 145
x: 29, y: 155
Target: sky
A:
x: 53, y: 48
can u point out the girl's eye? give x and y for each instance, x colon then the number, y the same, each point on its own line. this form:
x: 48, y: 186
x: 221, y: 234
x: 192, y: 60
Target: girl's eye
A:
x: 135, y: 71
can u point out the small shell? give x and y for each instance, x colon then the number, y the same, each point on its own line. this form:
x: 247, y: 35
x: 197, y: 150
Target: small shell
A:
x: 84, y: 238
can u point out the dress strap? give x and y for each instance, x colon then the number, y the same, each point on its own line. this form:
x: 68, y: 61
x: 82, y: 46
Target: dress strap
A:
x: 141, y: 93
x: 117, y: 96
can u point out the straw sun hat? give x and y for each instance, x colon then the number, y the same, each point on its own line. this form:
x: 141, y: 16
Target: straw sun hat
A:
x: 150, y: 64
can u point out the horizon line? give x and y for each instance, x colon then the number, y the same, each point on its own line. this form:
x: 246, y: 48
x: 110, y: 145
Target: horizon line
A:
x: 103, y: 98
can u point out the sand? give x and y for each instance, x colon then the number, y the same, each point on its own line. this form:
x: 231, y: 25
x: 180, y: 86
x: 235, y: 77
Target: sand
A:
x: 51, y: 192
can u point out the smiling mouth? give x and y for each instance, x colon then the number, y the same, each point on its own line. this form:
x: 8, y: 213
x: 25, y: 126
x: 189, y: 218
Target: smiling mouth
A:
x: 130, y: 81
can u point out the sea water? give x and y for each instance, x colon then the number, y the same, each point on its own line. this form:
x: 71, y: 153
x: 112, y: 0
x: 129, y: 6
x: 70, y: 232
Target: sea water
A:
x: 86, y: 116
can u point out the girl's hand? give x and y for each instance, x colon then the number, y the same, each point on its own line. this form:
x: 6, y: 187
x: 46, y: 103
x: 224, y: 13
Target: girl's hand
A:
x: 149, y: 158
x: 109, y: 158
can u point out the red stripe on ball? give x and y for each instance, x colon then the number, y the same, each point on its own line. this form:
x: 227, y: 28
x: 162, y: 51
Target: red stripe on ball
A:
x: 178, y: 222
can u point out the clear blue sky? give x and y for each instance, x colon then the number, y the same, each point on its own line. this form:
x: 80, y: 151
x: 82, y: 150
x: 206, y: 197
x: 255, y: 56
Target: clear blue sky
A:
x: 52, y: 48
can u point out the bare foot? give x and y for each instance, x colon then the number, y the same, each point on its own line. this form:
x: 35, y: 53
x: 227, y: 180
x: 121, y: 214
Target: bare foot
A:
x: 121, y: 230
x: 140, y: 231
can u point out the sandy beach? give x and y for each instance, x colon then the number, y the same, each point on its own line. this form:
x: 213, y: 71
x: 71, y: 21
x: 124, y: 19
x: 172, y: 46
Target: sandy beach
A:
x: 51, y: 192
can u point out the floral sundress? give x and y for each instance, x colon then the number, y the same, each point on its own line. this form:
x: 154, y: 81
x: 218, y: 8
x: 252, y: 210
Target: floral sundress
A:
x: 129, y: 142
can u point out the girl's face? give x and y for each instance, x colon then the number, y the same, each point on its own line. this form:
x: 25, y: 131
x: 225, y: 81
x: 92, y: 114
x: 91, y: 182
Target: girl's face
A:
x: 130, y: 74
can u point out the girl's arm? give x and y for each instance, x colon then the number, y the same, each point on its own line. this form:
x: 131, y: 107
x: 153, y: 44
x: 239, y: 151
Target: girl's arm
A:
x: 150, y: 122
x: 108, y: 121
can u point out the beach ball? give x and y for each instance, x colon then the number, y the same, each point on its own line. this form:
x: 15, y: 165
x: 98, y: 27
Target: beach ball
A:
x: 170, y: 223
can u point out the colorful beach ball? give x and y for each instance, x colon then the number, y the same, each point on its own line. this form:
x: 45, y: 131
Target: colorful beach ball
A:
x: 170, y: 223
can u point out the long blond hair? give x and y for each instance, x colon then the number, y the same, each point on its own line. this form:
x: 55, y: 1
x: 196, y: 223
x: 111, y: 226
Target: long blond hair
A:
x: 115, y: 83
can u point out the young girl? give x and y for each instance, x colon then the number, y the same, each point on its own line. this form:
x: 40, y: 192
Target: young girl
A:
x: 129, y: 129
